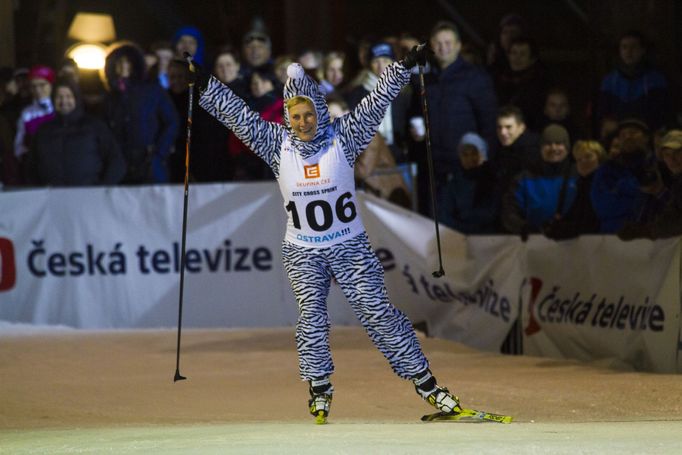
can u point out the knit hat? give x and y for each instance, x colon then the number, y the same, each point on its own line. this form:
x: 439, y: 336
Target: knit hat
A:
x: 42, y: 72
x: 634, y: 123
x: 476, y: 141
x: 381, y: 50
x: 555, y: 134
x: 300, y: 84
x: 256, y: 35
x: 672, y: 140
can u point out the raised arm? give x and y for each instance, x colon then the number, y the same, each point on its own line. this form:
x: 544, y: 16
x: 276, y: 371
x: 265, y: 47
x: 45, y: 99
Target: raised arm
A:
x: 264, y: 138
x: 356, y: 129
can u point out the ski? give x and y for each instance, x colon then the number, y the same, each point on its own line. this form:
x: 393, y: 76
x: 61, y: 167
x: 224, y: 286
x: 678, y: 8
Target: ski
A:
x: 467, y: 415
x: 320, y: 418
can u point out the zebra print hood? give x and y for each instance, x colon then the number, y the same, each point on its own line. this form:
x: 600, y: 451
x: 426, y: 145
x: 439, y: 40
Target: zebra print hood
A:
x: 300, y: 84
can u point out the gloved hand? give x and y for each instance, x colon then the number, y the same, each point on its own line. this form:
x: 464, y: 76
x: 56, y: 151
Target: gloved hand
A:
x: 633, y: 231
x: 198, y: 76
x: 418, y: 55
x: 559, y: 230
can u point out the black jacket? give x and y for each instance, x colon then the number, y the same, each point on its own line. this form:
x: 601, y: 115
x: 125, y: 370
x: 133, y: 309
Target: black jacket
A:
x: 75, y: 150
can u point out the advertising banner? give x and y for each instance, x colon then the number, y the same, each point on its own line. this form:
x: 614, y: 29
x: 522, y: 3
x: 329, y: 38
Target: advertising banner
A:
x: 96, y: 258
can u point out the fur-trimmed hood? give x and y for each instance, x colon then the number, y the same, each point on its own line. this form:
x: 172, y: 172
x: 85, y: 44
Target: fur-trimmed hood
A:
x: 117, y: 51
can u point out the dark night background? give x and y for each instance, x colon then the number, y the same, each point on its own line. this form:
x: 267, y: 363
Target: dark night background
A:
x: 576, y: 37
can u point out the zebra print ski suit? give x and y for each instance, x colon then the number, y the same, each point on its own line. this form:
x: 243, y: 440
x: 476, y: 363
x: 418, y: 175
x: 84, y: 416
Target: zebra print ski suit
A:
x: 352, y: 262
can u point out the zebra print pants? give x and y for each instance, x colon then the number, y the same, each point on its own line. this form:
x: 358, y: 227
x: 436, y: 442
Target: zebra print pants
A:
x: 358, y: 271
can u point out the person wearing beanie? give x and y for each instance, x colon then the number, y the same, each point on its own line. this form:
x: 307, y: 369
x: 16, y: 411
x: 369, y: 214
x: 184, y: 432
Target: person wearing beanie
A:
x: 546, y: 190
x: 394, y: 126
x: 40, y: 110
x: 468, y: 202
x: 312, y: 158
x: 666, y: 222
x: 256, y: 53
x: 74, y: 148
x: 554, y: 143
x: 627, y: 186
x: 189, y: 39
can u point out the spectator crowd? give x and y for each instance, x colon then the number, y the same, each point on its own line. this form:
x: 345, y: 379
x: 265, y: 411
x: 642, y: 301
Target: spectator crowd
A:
x: 508, y: 153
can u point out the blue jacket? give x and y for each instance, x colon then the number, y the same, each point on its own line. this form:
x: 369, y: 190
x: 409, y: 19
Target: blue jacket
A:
x: 616, y: 195
x: 534, y: 197
x: 641, y: 94
x: 461, y: 98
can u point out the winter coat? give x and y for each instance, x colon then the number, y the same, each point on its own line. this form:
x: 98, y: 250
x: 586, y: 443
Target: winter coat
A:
x: 469, y: 203
x: 460, y: 98
x: 75, y: 150
x: 580, y: 218
x: 640, y: 92
x: 533, y: 199
x: 616, y: 194
x: 521, y: 155
x: 668, y: 223
x: 142, y: 117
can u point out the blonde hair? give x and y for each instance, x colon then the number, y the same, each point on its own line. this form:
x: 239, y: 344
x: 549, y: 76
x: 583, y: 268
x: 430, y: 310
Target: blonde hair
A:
x: 296, y: 100
x: 590, y: 146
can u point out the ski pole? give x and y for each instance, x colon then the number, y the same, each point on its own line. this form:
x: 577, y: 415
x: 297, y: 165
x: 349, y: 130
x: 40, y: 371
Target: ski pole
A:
x: 178, y: 376
x: 440, y: 272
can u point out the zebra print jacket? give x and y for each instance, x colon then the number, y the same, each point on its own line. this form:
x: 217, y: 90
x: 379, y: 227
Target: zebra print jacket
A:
x: 354, y: 131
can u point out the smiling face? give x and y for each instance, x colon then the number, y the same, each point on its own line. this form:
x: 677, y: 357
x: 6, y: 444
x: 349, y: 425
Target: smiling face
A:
x: 554, y: 152
x: 446, y: 46
x: 64, y: 100
x: 226, y: 68
x: 303, y: 120
x: 509, y: 129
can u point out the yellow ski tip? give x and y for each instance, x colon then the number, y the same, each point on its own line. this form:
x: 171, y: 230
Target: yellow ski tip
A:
x: 320, y: 419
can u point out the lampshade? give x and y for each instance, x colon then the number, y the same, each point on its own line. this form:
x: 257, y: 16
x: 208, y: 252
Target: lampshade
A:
x: 92, y: 27
x: 88, y: 56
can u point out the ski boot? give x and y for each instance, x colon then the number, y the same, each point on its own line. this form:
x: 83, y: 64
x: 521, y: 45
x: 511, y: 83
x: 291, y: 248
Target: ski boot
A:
x: 448, y: 405
x: 320, y: 399
x: 437, y: 396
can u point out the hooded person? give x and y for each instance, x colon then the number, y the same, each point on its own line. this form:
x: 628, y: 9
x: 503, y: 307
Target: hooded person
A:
x: 74, y: 148
x: 469, y: 203
x: 189, y: 39
x: 312, y: 159
x: 140, y: 114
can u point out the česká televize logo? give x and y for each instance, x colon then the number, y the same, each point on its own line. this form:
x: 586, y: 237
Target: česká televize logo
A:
x: 8, y: 274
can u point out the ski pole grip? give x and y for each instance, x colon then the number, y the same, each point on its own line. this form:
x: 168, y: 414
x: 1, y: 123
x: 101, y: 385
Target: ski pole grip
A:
x: 190, y: 62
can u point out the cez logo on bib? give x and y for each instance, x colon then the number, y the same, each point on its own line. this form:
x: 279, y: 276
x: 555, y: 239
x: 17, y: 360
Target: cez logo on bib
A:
x: 312, y: 171
x: 8, y: 274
